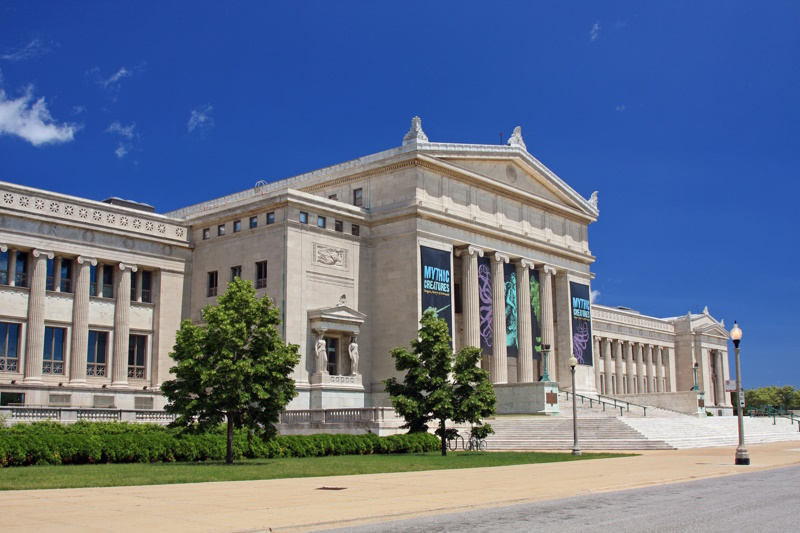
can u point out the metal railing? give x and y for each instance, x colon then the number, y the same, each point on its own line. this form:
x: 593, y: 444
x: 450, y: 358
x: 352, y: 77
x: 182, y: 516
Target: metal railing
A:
x: 603, y: 401
x: 775, y: 413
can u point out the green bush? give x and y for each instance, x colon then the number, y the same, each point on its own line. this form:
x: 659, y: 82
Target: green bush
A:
x: 51, y: 443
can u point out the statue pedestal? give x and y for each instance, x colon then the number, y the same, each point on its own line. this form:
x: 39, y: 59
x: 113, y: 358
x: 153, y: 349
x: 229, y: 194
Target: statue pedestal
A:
x: 336, y: 392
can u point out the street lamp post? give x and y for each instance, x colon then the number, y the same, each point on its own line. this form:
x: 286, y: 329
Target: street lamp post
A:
x: 694, y: 369
x: 545, y: 374
x: 573, y: 362
x: 742, y: 457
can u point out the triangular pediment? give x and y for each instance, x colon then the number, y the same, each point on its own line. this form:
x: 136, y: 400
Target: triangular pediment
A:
x: 707, y: 325
x: 338, y: 313
x: 524, y: 174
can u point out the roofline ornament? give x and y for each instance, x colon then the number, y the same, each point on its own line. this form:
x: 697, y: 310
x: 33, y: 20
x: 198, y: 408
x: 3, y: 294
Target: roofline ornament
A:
x: 593, y: 200
x: 415, y: 134
x: 516, y: 139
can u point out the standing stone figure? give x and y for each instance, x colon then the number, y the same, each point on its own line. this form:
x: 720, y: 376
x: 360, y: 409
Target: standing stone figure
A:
x: 322, y: 355
x: 353, y: 349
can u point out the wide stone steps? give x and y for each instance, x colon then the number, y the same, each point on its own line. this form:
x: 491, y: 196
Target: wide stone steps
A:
x: 556, y: 433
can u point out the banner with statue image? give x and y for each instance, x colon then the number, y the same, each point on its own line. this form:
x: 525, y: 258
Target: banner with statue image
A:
x: 536, y: 315
x: 581, y: 323
x: 512, y: 338
x: 485, y: 304
x: 437, y: 285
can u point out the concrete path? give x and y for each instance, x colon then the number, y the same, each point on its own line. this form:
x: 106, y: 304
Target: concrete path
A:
x: 299, y: 505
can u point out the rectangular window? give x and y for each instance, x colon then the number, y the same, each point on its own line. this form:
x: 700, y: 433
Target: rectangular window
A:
x: 108, y: 281
x: 53, y: 359
x: 270, y: 218
x: 303, y: 217
x: 236, y: 272
x: 211, y: 289
x: 253, y: 222
x: 206, y: 234
x: 338, y: 225
x: 356, y: 230
x: 97, y: 353
x: 66, y: 275
x: 137, y: 354
x: 333, y: 197
x: 147, y: 286
x: 12, y: 398
x: 320, y: 222
x: 237, y: 226
x: 9, y: 347
x: 457, y: 298
x: 358, y: 197
x: 332, y: 345
x: 220, y: 230
x: 3, y: 268
x: 21, y: 275
x: 49, y: 283
x: 261, y: 274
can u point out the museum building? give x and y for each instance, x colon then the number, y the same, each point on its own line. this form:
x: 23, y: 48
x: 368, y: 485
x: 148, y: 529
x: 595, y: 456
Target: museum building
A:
x: 92, y: 293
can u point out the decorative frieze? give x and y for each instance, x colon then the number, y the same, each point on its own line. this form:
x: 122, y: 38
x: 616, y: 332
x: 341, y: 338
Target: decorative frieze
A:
x: 329, y: 256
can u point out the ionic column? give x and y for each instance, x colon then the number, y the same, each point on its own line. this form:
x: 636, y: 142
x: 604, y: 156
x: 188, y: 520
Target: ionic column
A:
x: 629, y: 366
x: 121, y: 327
x: 57, y: 274
x: 34, y: 348
x: 469, y: 291
x: 720, y: 377
x: 651, y: 368
x: 665, y: 358
x: 80, y: 320
x: 596, y: 364
x: 12, y: 267
x: 4, y: 248
x: 608, y: 369
x: 524, y: 330
x: 640, y: 355
x: 659, y: 369
x: 548, y: 327
x: 618, y: 365
x: 499, y: 366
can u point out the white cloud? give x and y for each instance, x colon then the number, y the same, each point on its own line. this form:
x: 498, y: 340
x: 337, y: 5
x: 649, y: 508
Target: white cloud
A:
x: 28, y: 51
x: 620, y: 108
x: 112, y: 83
x: 78, y: 109
x: 125, y: 131
x: 594, y: 296
x: 122, y: 150
x: 201, y: 120
x: 595, y: 33
x: 30, y: 119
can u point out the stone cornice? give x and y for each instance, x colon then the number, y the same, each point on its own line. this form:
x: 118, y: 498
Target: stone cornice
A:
x: 617, y: 316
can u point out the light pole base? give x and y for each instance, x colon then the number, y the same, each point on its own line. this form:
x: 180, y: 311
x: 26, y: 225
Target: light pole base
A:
x: 576, y: 451
x: 742, y: 460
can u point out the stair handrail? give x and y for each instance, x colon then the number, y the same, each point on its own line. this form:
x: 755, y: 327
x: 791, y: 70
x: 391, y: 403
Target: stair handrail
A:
x: 775, y: 413
x: 622, y: 405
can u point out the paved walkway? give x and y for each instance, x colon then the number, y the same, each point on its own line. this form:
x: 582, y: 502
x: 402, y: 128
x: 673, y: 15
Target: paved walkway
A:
x: 298, y: 505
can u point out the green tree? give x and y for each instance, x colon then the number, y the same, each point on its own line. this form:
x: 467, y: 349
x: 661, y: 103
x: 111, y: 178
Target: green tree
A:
x: 786, y: 397
x: 439, y: 385
x: 234, y: 367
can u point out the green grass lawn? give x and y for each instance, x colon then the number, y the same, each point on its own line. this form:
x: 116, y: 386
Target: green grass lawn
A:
x: 109, y: 475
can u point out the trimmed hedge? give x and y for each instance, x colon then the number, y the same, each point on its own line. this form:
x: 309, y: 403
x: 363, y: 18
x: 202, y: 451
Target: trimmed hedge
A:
x: 51, y: 443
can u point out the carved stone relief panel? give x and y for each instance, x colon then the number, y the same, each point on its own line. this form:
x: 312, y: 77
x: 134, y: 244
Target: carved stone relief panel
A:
x: 329, y: 256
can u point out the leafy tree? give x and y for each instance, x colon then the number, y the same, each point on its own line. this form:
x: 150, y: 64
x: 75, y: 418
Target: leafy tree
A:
x: 234, y: 367
x: 439, y: 385
x: 786, y: 397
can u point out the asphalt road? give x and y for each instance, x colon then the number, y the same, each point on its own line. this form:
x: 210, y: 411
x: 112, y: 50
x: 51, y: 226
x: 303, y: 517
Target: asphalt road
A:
x: 763, y: 501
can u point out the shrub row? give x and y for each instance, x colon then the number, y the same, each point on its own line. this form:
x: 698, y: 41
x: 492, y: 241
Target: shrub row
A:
x: 55, y: 444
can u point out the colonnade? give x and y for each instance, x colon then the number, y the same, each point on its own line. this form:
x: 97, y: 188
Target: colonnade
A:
x: 498, y: 367
x: 630, y: 367
x: 38, y: 284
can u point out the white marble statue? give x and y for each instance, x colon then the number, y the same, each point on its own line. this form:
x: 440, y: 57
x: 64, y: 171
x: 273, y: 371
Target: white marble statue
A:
x: 322, y: 355
x: 353, y: 349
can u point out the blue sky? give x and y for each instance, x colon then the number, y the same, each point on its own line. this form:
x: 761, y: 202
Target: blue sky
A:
x: 684, y: 116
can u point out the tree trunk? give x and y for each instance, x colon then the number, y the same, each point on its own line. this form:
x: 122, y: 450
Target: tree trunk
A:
x: 444, y: 441
x: 229, y: 454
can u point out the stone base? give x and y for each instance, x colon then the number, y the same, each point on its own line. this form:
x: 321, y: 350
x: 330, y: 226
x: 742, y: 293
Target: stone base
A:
x: 325, y: 379
x: 687, y: 402
x: 527, y: 398
x: 336, y: 392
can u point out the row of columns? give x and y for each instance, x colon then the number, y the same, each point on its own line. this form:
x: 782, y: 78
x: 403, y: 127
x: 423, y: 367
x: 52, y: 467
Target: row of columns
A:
x: 498, y: 368
x: 34, y: 347
x: 639, y: 354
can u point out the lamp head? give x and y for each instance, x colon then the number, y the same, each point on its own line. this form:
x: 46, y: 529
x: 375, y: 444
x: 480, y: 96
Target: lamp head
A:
x: 545, y: 347
x: 736, y: 334
x: 573, y: 361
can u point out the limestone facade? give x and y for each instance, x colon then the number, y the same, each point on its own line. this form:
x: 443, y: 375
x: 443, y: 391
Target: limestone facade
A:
x: 339, y: 252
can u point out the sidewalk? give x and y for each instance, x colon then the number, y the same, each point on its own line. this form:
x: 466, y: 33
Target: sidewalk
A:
x: 298, y: 505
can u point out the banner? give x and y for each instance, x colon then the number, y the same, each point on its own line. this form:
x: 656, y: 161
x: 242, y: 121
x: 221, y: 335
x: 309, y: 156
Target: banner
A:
x: 581, y: 323
x: 512, y: 339
x: 436, y: 284
x: 485, y: 304
x: 536, y: 316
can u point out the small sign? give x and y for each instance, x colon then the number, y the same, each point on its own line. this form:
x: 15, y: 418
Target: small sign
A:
x: 730, y: 385
x: 741, y: 399
x: 551, y: 398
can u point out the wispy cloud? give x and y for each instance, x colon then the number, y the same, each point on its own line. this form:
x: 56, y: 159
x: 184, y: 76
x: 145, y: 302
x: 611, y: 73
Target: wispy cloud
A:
x: 33, y: 49
x: 111, y: 84
x: 201, y: 120
x: 124, y: 146
x: 29, y: 119
x: 595, y: 33
x: 620, y: 108
x: 594, y: 296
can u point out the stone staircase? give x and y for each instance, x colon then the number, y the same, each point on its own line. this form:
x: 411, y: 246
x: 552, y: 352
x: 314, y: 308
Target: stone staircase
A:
x: 605, y: 429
